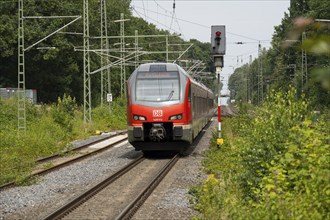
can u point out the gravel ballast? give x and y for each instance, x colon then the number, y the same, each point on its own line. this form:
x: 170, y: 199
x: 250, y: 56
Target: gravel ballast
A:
x: 169, y: 201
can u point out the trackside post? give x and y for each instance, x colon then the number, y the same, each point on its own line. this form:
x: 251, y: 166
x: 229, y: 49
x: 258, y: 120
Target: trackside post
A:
x: 218, y: 50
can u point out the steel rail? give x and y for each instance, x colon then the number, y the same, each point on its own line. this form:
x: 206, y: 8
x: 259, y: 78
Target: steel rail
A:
x: 66, y: 163
x: 131, y: 209
x: 44, y: 159
x: 77, y: 201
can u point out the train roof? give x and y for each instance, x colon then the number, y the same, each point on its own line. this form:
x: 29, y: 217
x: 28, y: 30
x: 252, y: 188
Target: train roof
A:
x: 162, y: 66
x: 158, y: 67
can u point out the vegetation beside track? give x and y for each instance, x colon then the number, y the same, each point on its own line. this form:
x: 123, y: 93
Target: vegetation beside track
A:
x: 50, y: 129
x: 274, y: 164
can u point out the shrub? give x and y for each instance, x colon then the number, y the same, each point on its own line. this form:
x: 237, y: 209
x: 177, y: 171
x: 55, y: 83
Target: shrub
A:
x: 113, y: 119
x: 63, y: 112
x: 264, y: 137
x: 274, y: 165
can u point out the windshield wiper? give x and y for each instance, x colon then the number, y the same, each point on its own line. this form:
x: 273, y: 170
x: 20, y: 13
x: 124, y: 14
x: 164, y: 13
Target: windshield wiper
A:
x: 170, y: 95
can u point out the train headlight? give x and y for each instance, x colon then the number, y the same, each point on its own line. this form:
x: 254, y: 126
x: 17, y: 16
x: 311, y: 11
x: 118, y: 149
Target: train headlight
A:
x: 139, y: 118
x: 176, y: 117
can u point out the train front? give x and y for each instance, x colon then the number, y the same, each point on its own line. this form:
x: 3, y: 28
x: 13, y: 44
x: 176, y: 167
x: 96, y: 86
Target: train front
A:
x: 159, y: 114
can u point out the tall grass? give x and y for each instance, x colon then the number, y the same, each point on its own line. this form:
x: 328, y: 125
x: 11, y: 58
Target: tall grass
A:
x: 50, y: 128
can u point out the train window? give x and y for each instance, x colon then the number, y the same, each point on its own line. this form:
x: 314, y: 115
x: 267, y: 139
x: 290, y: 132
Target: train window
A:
x: 157, y: 68
x: 157, y: 86
x: 189, y: 93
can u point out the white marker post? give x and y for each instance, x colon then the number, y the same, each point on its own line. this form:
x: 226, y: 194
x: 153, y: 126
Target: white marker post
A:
x: 218, y: 42
x: 218, y: 71
x: 220, y: 139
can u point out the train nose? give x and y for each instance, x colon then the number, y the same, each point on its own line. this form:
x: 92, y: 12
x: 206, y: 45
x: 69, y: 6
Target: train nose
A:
x: 157, y: 133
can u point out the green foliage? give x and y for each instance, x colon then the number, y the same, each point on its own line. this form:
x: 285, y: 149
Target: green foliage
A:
x: 114, y: 119
x: 300, y: 175
x: 50, y: 128
x: 263, y: 136
x: 282, y: 64
x: 274, y: 165
x: 59, y: 70
x: 63, y: 113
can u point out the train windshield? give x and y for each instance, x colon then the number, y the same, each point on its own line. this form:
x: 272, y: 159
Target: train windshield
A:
x: 157, y: 86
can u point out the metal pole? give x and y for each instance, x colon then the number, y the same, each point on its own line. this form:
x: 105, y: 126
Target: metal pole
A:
x: 102, y: 49
x: 51, y: 34
x: 218, y: 71
x: 183, y: 53
x: 260, y: 79
x: 105, y: 73
x: 87, y: 80
x: 304, y: 76
x: 132, y: 36
x: 21, y: 113
x: 251, y: 81
x: 122, y: 51
x: 166, y: 48
x: 136, y: 48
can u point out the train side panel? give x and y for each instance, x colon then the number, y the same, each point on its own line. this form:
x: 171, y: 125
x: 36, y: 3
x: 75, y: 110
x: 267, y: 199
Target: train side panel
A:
x: 202, y: 107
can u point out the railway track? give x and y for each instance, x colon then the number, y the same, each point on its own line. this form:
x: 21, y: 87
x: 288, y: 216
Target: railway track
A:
x: 54, y: 156
x: 227, y: 111
x: 57, y: 161
x: 113, y: 198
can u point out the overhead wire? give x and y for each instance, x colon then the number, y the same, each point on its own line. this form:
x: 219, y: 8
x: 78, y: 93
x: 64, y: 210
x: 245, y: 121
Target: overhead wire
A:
x: 204, y: 26
x: 172, y: 17
x: 144, y: 9
x: 155, y: 21
x: 176, y: 19
x: 142, y: 18
x: 173, y: 14
x: 160, y: 6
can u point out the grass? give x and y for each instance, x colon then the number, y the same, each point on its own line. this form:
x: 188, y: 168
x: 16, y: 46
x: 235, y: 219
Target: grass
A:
x: 50, y: 129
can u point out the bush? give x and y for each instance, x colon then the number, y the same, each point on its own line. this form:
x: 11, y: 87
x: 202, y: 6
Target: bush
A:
x: 264, y: 137
x: 273, y: 165
x: 113, y: 119
x: 64, y: 112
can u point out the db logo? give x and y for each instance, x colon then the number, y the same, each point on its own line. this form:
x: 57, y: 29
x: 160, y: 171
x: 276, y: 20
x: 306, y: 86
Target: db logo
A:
x: 157, y: 113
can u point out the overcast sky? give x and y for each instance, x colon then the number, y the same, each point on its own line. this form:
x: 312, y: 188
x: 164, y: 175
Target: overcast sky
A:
x: 246, y: 21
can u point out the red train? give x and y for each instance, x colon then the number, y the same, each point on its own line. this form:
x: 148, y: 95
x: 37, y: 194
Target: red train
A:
x: 166, y: 108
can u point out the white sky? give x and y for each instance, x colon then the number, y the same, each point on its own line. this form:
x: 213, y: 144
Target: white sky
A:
x: 253, y: 20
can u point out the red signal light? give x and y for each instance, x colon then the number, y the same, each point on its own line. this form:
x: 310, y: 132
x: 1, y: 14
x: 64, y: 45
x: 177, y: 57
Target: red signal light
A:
x: 218, y: 33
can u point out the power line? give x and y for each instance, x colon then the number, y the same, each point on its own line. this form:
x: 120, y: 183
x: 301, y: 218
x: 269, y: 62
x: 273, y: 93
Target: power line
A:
x: 155, y: 21
x: 161, y: 6
x: 144, y: 9
x: 176, y: 20
x: 197, y: 24
x: 173, y: 14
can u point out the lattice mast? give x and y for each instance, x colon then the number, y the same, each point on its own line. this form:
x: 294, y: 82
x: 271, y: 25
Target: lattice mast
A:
x: 304, y: 78
x: 87, y: 80
x: 105, y: 73
x: 122, y: 56
x: 136, y: 48
x: 260, y: 78
x: 21, y: 127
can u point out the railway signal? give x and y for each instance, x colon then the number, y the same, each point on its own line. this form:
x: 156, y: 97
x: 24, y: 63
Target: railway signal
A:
x: 218, y: 39
x: 218, y: 50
